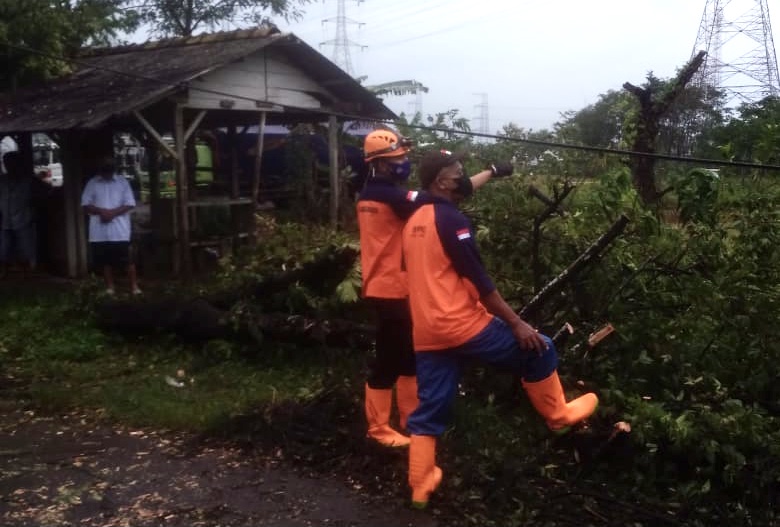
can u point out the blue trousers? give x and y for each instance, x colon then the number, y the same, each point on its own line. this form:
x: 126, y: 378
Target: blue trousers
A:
x: 438, y: 372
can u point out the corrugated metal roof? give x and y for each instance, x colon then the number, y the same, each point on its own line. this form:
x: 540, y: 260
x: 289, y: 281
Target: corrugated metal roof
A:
x: 114, y: 81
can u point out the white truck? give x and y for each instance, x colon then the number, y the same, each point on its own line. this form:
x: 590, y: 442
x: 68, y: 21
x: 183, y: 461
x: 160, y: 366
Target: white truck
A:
x: 46, y: 159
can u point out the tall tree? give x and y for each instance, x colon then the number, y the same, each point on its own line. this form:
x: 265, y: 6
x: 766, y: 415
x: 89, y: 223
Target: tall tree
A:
x: 601, y: 124
x: 183, y: 17
x: 752, y: 136
x: 34, y: 35
x: 655, y: 102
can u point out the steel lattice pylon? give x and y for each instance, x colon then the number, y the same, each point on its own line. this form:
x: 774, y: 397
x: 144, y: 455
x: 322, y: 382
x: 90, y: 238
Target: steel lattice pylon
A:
x: 741, y: 60
x: 342, y: 43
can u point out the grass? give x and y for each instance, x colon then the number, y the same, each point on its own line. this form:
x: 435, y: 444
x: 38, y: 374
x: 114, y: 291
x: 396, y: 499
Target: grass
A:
x: 57, y: 359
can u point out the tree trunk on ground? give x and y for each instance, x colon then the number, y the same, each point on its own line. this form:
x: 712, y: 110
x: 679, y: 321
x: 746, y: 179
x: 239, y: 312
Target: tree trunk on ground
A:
x: 196, y: 320
x: 209, y: 317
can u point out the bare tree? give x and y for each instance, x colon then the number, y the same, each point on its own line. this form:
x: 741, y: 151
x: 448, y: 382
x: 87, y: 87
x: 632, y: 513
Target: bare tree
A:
x: 654, y: 104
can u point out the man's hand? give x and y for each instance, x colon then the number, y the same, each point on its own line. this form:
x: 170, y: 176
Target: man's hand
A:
x: 527, y: 337
x: 106, y: 216
x: 501, y: 168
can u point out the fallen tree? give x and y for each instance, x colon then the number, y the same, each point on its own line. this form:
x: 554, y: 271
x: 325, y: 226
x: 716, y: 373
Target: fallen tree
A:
x: 207, y: 317
x: 212, y: 316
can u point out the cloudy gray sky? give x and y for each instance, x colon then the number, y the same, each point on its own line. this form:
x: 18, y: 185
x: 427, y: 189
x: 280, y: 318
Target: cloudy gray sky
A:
x: 529, y: 59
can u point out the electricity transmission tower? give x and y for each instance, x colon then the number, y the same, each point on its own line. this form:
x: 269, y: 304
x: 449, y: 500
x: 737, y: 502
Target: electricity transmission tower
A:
x: 341, y: 43
x: 416, y: 104
x: 482, y: 118
x: 741, y: 60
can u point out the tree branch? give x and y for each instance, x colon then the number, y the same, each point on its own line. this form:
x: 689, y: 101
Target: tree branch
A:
x: 557, y: 283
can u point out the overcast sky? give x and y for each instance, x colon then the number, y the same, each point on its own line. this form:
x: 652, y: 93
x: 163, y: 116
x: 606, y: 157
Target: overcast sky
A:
x: 529, y: 60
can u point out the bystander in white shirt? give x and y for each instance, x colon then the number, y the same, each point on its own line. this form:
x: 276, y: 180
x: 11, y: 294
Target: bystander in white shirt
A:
x: 109, y: 194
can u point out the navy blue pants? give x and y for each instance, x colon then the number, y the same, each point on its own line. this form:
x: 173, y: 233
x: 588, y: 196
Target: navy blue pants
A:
x: 438, y: 372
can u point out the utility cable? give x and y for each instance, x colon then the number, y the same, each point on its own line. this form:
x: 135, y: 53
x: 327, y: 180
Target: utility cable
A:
x: 359, y: 118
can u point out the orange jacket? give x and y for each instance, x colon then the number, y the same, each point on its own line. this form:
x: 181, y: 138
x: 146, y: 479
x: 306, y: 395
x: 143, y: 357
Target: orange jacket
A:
x: 446, y: 278
x: 382, y: 210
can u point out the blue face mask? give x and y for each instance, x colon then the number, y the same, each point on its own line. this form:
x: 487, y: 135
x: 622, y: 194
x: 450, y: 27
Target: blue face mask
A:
x: 401, y: 171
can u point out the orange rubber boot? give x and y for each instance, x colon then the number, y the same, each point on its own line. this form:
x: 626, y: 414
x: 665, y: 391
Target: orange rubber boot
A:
x: 378, y: 403
x: 406, y: 397
x: 424, y: 475
x: 549, y: 400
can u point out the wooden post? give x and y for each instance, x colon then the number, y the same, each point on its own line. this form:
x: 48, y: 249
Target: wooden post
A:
x: 153, y: 175
x: 182, y: 199
x: 25, y: 145
x: 258, y: 159
x: 333, y: 149
x: 75, y: 225
x: 231, y: 138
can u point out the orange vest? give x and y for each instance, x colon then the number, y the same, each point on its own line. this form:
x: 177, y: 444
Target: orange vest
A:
x: 446, y: 311
x: 380, y: 251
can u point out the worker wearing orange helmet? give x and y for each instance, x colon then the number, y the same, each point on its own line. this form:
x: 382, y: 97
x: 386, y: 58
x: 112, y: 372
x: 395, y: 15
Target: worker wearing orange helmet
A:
x: 459, y: 316
x: 383, y: 207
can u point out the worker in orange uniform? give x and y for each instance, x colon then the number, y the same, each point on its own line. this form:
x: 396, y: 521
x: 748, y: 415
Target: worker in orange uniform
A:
x: 458, y: 314
x: 382, y: 209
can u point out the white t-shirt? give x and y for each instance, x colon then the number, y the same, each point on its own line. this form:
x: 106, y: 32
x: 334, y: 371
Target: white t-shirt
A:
x: 108, y: 194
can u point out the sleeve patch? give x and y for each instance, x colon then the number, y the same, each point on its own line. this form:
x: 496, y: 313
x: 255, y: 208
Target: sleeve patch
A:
x: 463, y: 234
x: 412, y: 195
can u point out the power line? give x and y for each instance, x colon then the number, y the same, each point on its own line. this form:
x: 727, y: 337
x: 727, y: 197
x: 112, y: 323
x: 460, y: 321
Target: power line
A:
x: 614, y: 151
x: 352, y: 117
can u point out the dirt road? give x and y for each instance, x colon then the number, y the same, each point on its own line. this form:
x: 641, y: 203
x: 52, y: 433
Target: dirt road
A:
x: 76, y: 470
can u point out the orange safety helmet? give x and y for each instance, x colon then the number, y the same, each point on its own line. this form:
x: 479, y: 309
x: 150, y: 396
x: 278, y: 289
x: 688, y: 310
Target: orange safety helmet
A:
x: 385, y: 143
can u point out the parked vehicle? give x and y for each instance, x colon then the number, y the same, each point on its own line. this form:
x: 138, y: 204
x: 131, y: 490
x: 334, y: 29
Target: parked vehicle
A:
x: 204, y: 171
x: 46, y: 160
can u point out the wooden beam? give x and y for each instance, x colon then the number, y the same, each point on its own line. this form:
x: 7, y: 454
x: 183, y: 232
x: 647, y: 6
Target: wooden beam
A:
x: 194, y: 125
x: 258, y: 158
x: 182, y: 195
x: 232, y: 142
x: 149, y: 128
x: 333, y: 149
x: 75, y: 228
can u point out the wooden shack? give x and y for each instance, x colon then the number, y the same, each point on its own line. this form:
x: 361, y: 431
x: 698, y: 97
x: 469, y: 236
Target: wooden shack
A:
x: 253, y: 77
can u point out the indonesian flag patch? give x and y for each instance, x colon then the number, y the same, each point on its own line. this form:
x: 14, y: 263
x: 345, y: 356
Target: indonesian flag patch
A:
x: 463, y: 234
x: 411, y: 195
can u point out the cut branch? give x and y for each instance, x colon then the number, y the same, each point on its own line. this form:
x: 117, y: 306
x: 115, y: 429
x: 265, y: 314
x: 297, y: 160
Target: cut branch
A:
x: 557, y: 283
x: 553, y: 207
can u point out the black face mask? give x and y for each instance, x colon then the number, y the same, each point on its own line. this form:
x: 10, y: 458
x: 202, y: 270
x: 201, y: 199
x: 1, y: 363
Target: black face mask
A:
x: 465, y: 187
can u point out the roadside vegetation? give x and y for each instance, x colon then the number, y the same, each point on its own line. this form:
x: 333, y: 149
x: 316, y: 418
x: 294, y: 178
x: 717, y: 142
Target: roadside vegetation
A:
x: 691, y: 286
x: 692, y: 365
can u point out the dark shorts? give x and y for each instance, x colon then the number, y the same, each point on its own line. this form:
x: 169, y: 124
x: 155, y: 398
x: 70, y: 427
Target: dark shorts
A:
x: 110, y: 254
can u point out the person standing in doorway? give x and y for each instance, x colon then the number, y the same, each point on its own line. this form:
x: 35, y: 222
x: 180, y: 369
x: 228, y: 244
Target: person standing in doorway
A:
x: 108, y: 200
x: 18, y: 192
